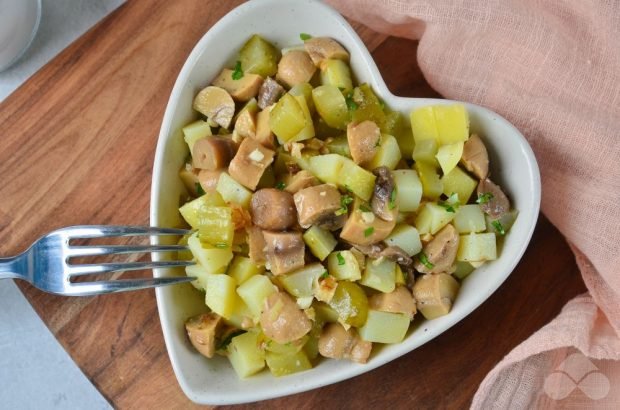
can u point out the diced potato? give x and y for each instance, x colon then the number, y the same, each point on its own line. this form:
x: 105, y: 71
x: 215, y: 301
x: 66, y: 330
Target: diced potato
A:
x: 449, y: 156
x: 190, y: 177
x: 403, y: 136
x: 193, y: 210
x: 200, y: 273
x: 425, y: 151
x: 245, y: 354
x: 384, y: 327
x: 339, y: 145
x: 351, y: 304
x: 504, y: 223
x: 311, y: 348
x: 195, y: 131
x: 242, y: 268
x: 434, y: 294
x: 240, y: 317
x: 463, y: 269
x: 432, y: 218
x: 423, y: 125
x: 460, y: 183
x: 336, y: 73
x: 477, y: 247
x: 469, y: 218
x: 220, y: 294
x: 281, y: 365
x: 343, y: 265
x: 368, y: 106
x: 232, y: 191
x: 405, y: 237
x: 432, y: 186
x: 304, y: 90
x: 213, y: 259
x: 327, y: 168
x: 287, y: 118
x: 307, y: 131
x: 301, y: 283
x: 286, y: 348
x: 356, y: 179
x: 409, y: 189
x: 380, y: 274
x: 254, y: 291
x: 320, y: 241
x: 388, y: 153
x: 331, y: 106
x: 452, y: 123
x: 258, y: 56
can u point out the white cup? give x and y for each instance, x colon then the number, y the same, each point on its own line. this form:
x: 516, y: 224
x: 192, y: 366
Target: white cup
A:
x: 19, y: 21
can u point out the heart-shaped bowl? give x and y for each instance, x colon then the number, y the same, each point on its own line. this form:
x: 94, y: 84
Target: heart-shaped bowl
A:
x: 281, y: 21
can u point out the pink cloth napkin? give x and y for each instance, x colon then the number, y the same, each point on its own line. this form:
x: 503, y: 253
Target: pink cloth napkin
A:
x: 552, y: 68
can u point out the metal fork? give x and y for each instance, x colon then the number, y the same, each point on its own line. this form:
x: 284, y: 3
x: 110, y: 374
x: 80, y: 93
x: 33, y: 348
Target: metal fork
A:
x: 46, y: 263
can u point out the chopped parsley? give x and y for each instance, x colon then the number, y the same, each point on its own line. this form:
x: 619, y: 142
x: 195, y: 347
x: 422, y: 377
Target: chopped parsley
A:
x: 281, y: 186
x: 199, y: 189
x: 351, y: 105
x: 365, y: 208
x: 451, y: 204
x: 226, y: 341
x: 345, y: 200
x: 448, y: 207
x: 484, y: 198
x: 368, y: 231
x: 424, y: 260
x: 341, y: 260
x: 304, y: 36
x: 499, y: 227
x: 392, y: 203
x: 324, y: 275
x: 237, y: 73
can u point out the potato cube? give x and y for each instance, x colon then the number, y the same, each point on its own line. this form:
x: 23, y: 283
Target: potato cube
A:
x: 254, y: 291
x: 320, y: 241
x: 380, y: 274
x: 405, y: 237
x: 452, y: 123
x: 458, y: 182
x: 195, y: 131
x: 242, y: 268
x: 469, y: 218
x: 409, y: 189
x: 385, y: 327
x: 388, y: 153
x: 432, y: 218
x: 432, y: 186
x: 220, y: 294
x: 423, y: 124
x: 343, y: 265
x: 281, y: 365
x: 449, y: 156
x: 245, y: 354
x: 301, y: 282
x: 477, y: 247
x: 232, y: 191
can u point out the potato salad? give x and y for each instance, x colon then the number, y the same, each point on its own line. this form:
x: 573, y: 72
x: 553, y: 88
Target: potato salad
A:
x: 324, y: 223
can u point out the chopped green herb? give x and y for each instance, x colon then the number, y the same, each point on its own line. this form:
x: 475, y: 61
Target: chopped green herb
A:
x: 382, y: 104
x: 199, y: 189
x: 281, y: 186
x: 345, y: 200
x: 341, y: 260
x: 424, y: 260
x: 347, y: 188
x: 498, y: 227
x: 221, y: 245
x: 365, y: 208
x: 451, y: 204
x: 351, y: 105
x: 368, y: 231
x: 226, y: 341
x: 324, y: 275
x: 484, y: 198
x: 392, y: 203
x: 237, y: 73
x: 448, y: 207
x: 304, y: 36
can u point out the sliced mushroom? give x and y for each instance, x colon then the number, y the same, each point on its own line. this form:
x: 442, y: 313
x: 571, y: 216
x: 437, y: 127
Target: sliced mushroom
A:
x: 300, y: 180
x: 284, y: 251
x: 295, y: 67
x: 434, y: 294
x: 202, y: 331
x: 189, y: 176
x: 393, y: 253
x: 336, y: 342
x: 363, y: 139
x: 282, y: 320
x: 400, y: 300
x: 440, y: 252
x: 242, y: 89
x: 256, y: 245
x: 383, y: 200
x: 212, y: 153
x: 273, y: 209
x: 263, y: 133
x: 209, y: 179
x: 269, y: 93
x: 475, y: 157
x: 363, y: 228
x: 317, y: 203
x: 497, y: 203
x: 246, y: 124
x: 216, y: 104
x: 325, y: 48
x: 248, y: 166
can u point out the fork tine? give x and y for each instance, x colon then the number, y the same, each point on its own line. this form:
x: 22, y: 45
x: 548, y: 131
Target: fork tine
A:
x: 89, y: 269
x: 97, y: 231
x: 121, y: 285
x: 74, y: 251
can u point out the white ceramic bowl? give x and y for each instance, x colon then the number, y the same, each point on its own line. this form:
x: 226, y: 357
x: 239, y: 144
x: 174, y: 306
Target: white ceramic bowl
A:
x: 280, y: 21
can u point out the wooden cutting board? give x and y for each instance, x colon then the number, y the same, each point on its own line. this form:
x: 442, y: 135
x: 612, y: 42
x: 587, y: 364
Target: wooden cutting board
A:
x: 77, y: 143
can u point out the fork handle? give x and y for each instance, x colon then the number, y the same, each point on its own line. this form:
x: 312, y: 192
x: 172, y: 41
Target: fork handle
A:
x: 11, y: 268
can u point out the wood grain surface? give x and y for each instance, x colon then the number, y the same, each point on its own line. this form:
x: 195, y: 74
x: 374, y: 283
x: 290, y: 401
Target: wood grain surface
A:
x: 77, y: 144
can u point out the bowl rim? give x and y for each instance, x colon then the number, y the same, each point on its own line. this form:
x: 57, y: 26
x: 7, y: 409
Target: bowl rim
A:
x: 381, y: 89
